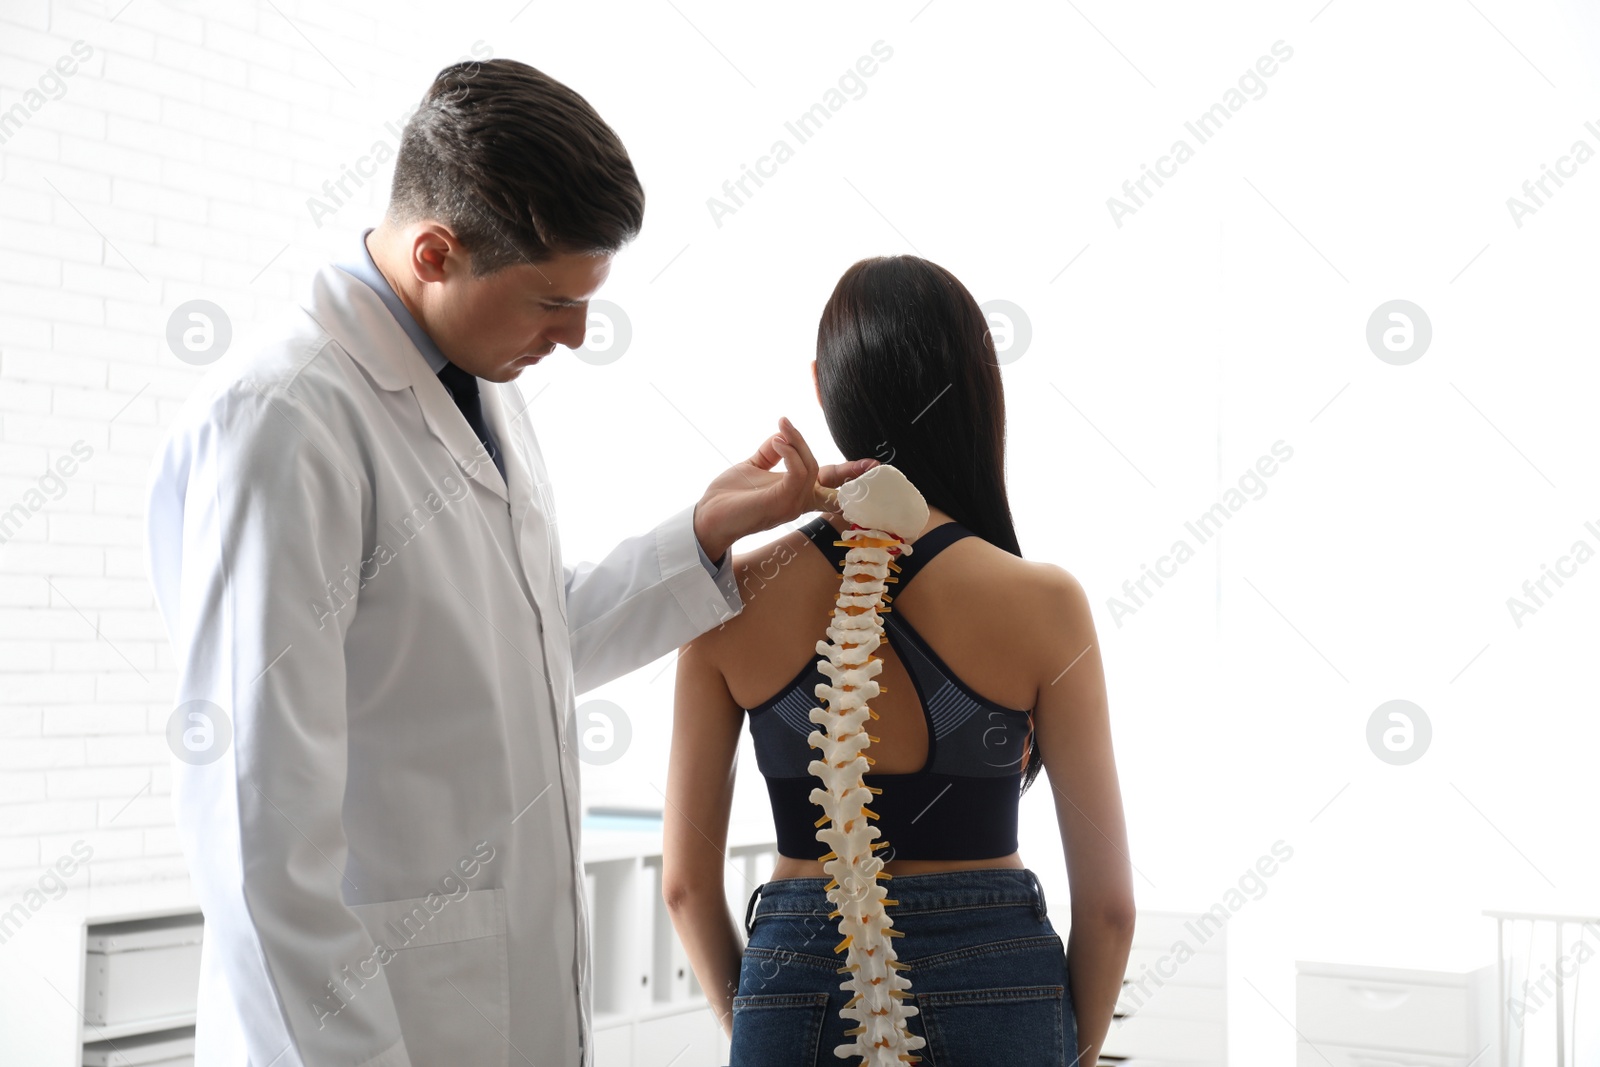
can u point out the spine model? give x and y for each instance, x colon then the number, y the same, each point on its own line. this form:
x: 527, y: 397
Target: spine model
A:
x: 882, y: 508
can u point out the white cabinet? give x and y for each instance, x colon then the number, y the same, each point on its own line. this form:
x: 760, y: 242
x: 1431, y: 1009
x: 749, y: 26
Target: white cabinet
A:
x: 103, y: 977
x: 683, y: 1039
x: 1173, y: 1009
x: 1361, y: 1016
x: 648, y: 1009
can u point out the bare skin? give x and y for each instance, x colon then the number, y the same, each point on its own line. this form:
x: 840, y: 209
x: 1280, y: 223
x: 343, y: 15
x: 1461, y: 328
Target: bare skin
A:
x: 494, y: 326
x: 1035, y: 612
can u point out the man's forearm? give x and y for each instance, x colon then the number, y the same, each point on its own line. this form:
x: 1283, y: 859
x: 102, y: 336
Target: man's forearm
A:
x: 706, y: 928
x: 1097, y: 959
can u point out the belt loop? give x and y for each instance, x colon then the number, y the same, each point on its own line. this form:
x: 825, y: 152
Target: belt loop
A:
x: 750, y: 912
x: 1038, y: 907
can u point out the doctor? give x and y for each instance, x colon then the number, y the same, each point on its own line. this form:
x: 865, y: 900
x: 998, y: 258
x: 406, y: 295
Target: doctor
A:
x: 353, y: 543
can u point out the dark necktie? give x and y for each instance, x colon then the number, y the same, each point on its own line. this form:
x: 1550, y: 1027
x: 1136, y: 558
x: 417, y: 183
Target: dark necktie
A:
x: 463, y: 389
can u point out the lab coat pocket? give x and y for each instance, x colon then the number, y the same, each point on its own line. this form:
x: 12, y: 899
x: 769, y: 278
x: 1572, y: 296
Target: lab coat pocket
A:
x: 449, y: 974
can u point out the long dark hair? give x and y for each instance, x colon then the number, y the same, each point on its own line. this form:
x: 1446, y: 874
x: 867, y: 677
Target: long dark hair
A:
x: 907, y: 372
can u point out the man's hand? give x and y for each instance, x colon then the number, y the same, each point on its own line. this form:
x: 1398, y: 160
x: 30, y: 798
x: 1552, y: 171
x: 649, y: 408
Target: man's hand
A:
x: 750, y: 497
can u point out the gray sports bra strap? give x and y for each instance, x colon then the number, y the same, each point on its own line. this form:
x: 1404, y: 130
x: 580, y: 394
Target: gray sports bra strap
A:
x: 924, y: 548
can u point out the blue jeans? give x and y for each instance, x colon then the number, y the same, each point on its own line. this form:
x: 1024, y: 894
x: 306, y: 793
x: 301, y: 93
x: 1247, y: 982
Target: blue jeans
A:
x: 988, y: 973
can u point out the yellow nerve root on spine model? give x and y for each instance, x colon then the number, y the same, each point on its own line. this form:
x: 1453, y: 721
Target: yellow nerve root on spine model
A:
x: 885, y: 511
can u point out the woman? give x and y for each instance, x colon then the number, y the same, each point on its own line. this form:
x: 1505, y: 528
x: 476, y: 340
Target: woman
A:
x: 906, y: 372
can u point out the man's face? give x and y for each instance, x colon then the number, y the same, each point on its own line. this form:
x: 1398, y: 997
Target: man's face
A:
x: 500, y: 324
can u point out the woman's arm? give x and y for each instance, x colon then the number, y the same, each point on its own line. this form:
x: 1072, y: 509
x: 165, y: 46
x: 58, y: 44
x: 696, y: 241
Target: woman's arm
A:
x: 705, y: 740
x: 1073, y: 727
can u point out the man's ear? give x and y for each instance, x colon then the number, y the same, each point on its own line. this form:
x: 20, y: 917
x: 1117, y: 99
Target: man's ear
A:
x: 432, y: 245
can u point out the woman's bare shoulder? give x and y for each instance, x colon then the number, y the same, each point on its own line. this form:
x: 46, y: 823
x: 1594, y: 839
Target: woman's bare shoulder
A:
x: 759, y: 574
x: 1057, y: 582
x: 1058, y: 595
x: 1041, y: 606
x: 1013, y: 575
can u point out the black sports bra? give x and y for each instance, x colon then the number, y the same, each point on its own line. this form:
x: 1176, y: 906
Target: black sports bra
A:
x: 962, y: 804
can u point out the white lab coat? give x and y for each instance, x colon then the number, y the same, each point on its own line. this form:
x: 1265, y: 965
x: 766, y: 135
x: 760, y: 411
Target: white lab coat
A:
x: 388, y: 852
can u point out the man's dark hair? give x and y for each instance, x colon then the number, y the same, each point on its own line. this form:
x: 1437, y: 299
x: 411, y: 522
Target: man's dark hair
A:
x: 519, y: 166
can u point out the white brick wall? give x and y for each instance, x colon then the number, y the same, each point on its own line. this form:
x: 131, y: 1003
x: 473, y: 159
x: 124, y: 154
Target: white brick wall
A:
x: 175, y: 165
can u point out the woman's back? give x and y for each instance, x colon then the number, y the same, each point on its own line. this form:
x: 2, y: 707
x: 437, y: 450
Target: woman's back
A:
x: 974, y: 613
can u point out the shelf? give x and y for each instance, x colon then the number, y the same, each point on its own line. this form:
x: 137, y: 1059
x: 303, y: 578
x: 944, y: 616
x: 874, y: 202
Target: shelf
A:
x: 92, y: 1032
x: 675, y: 1007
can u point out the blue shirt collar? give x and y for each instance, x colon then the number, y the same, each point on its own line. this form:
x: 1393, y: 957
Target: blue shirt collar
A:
x: 364, y: 268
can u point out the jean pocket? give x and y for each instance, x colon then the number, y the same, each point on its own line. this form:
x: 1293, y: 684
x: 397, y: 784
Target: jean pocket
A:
x: 777, y: 1030
x: 1018, y: 1025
